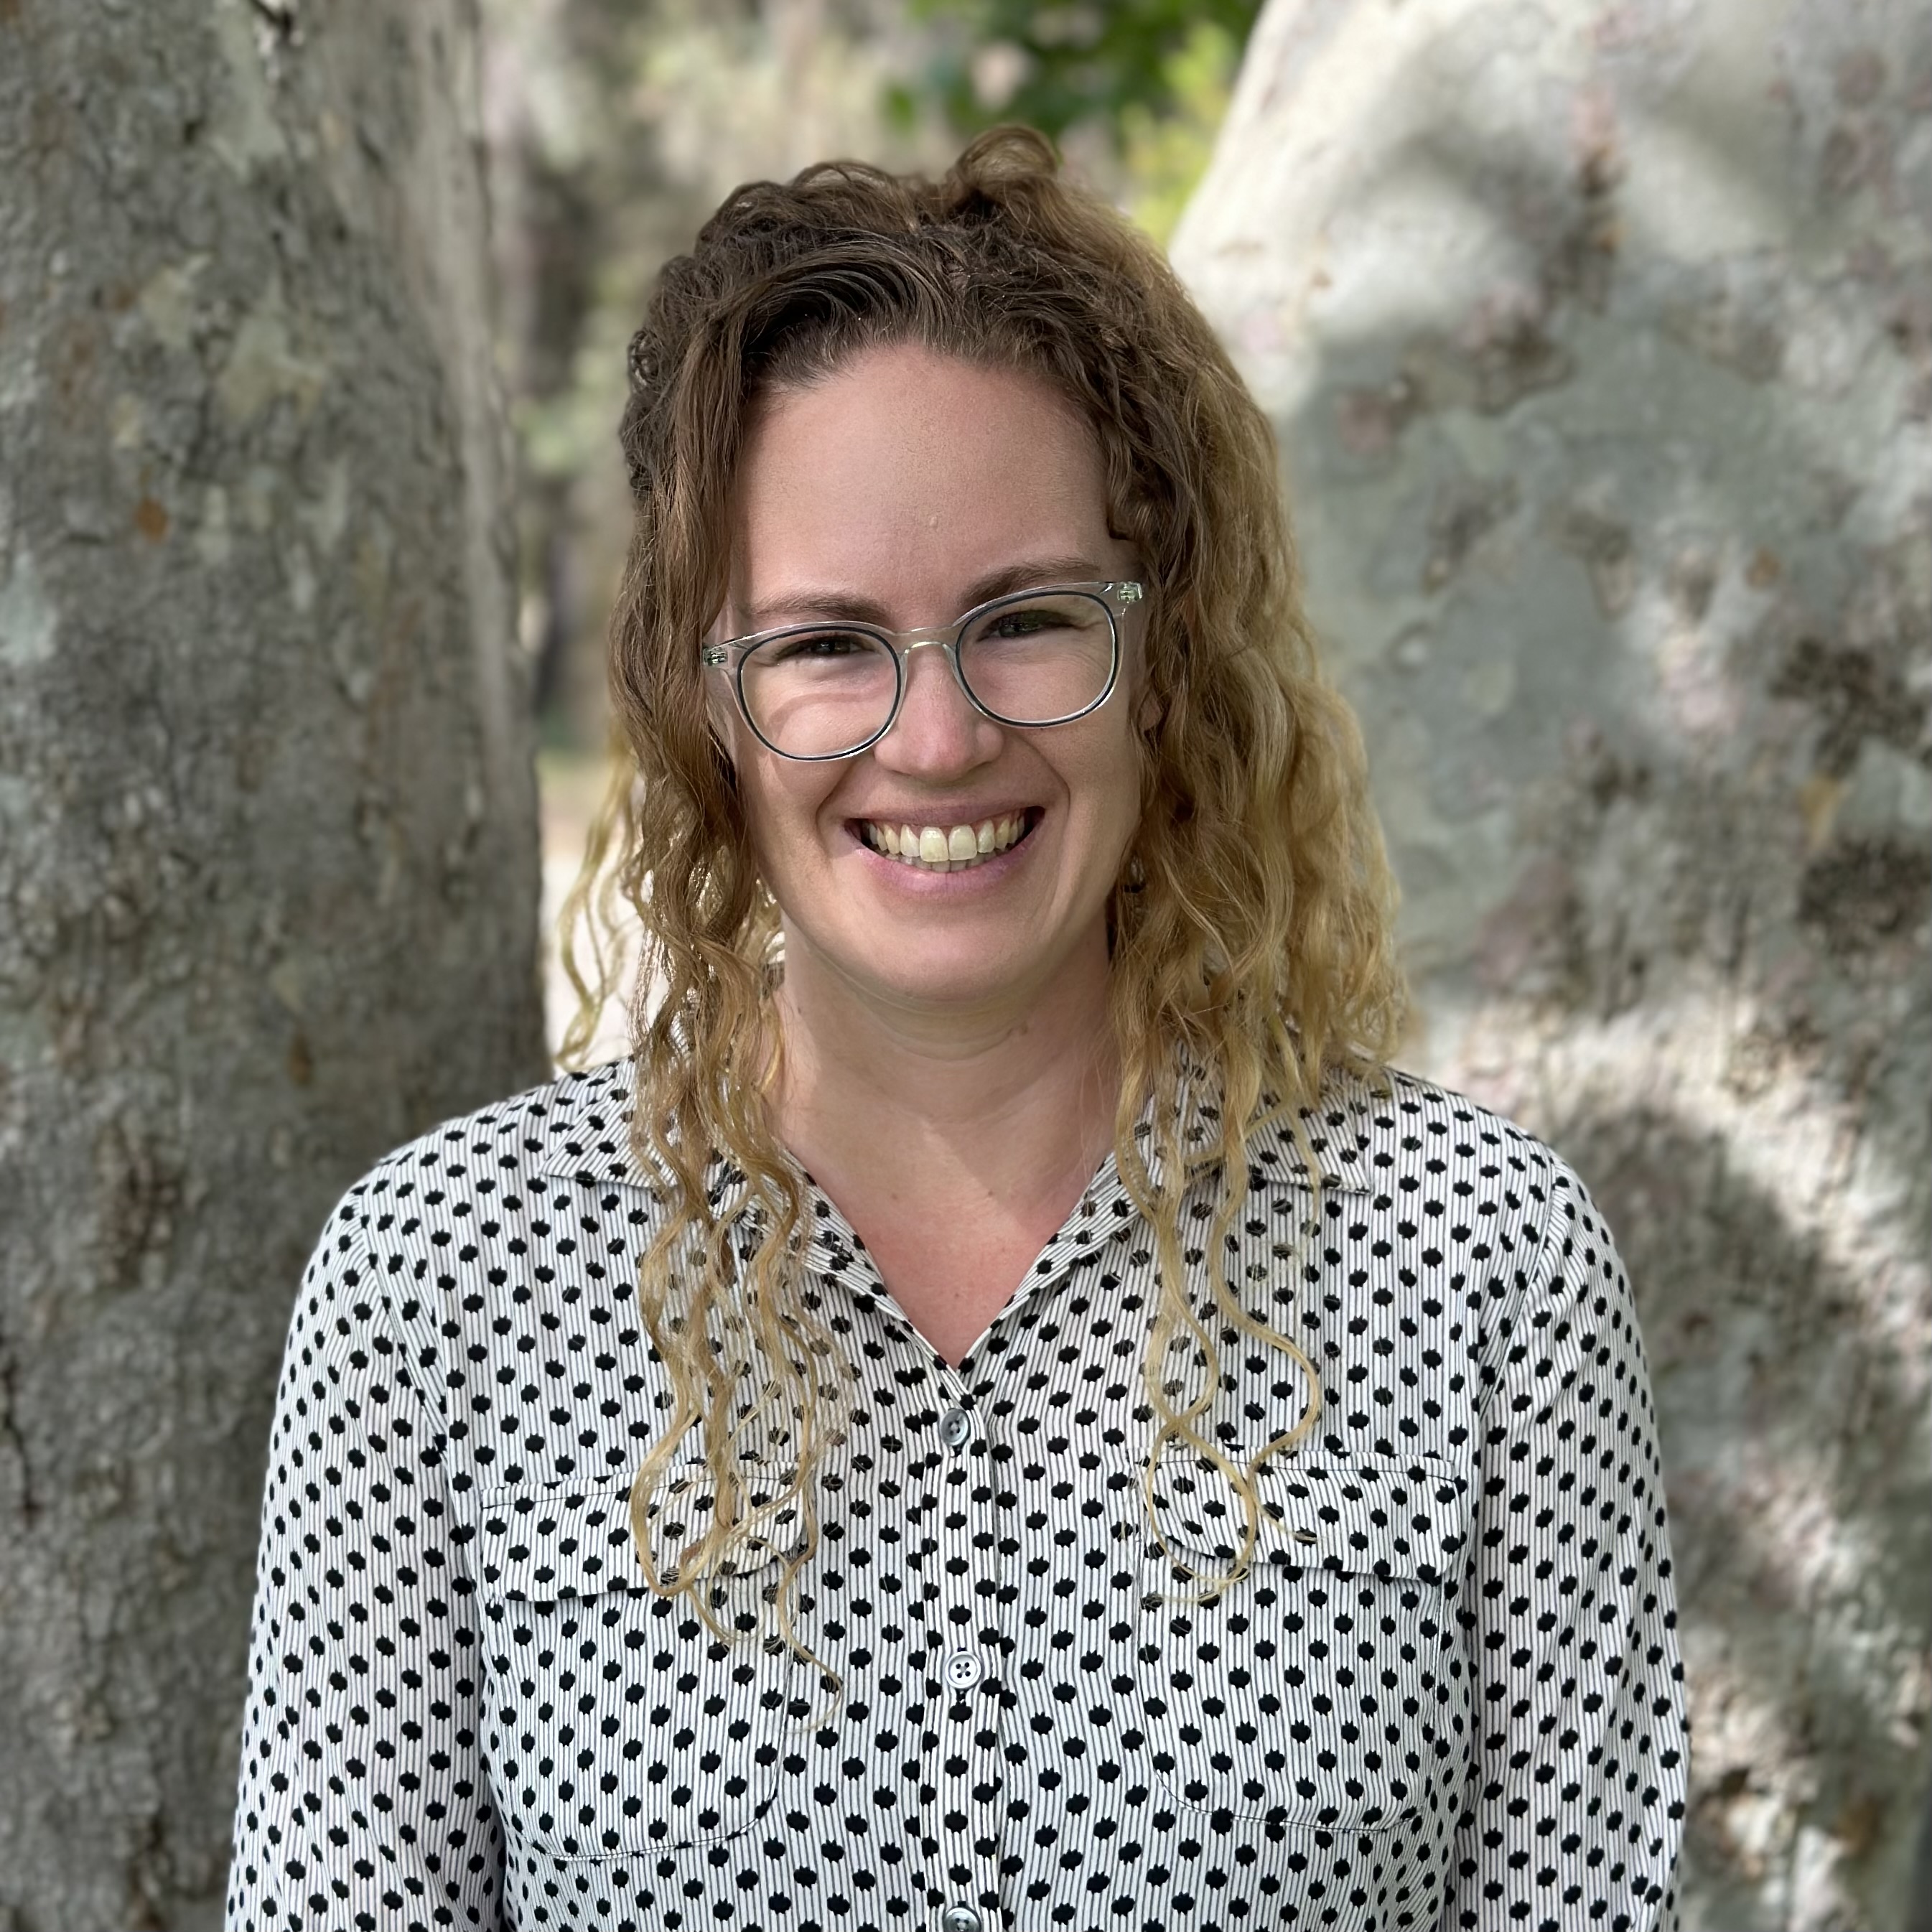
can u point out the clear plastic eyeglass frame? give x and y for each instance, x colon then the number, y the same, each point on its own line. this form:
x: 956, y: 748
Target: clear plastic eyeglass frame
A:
x: 730, y: 656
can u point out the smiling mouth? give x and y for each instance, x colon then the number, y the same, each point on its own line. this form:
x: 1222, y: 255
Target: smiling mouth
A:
x: 947, y: 848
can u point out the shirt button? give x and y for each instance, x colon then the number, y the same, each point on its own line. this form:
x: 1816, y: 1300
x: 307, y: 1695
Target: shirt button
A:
x: 959, y: 1918
x: 955, y: 1427
x: 963, y: 1669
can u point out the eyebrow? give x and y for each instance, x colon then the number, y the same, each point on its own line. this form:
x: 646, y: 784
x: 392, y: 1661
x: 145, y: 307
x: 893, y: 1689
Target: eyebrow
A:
x: 808, y: 605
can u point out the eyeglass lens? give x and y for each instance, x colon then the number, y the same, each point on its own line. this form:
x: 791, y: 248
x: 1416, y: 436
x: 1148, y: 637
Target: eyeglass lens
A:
x: 818, y: 692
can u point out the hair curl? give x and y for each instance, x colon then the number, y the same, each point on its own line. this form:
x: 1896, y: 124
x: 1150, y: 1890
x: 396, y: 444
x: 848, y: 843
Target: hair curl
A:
x: 1251, y: 955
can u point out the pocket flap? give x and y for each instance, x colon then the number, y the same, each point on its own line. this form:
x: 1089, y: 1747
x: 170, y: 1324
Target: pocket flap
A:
x: 539, y: 1544
x: 1384, y: 1518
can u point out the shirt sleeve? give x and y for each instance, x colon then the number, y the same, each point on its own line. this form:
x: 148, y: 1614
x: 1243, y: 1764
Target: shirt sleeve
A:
x: 1575, y: 1801
x: 363, y: 1802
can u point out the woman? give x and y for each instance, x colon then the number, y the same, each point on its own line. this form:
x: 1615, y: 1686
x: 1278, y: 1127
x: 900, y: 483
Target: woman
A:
x: 1002, y: 1414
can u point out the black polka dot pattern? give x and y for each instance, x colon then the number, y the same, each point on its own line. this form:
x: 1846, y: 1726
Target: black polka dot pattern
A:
x: 1444, y: 1694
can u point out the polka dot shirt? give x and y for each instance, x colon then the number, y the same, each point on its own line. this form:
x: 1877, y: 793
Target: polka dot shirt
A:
x: 1444, y: 1694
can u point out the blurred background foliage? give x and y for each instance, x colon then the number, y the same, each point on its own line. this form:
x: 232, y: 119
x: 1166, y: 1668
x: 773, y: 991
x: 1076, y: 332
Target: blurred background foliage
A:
x: 1150, y: 76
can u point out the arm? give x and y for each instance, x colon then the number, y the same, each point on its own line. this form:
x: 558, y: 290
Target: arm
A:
x: 1575, y: 1801
x: 363, y: 1802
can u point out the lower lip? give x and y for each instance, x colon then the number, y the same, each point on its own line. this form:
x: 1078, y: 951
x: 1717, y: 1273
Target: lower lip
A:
x: 917, y: 879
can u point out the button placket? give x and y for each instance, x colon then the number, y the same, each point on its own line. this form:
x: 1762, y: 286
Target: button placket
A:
x: 969, y: 1773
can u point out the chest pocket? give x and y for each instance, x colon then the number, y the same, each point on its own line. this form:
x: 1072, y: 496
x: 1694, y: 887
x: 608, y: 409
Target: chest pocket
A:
x: 618, y: 1721
x: 1328, y: 1686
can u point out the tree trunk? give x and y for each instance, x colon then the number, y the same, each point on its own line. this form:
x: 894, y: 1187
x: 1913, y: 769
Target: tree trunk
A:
x: 1599, y: 340
x: 268, y: 853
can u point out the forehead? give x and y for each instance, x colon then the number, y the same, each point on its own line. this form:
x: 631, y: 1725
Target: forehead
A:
x: 907, y: 468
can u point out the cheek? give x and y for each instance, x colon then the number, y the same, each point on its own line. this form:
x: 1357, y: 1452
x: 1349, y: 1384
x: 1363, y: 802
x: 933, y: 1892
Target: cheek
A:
x: 1116, y: 774
x: 1104, y: 793
x: 783, y: 807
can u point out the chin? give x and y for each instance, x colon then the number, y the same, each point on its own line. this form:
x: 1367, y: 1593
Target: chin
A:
x: 961, y: 969
x: 933, y: 985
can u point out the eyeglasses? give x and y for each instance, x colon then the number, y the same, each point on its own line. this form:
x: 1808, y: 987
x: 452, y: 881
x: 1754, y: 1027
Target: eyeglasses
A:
x: 829, y: 690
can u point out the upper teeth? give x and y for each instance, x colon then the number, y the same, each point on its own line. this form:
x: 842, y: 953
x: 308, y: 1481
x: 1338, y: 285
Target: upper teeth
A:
x: 942, y: 848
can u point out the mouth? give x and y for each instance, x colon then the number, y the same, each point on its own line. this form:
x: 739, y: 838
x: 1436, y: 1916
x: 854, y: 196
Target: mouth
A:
x: 947, y: 848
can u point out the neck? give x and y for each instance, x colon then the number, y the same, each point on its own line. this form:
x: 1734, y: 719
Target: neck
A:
x: 1016, y: 1100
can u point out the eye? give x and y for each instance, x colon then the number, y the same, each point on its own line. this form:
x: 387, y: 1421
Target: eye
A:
x: 1026, y: 622
x: 821, y: 647
x: 1038, y: 620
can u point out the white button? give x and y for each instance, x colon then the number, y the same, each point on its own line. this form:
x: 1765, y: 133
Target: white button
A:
x: 955, y: 1427
x: 959, y: 1918
x: 963, y: 1669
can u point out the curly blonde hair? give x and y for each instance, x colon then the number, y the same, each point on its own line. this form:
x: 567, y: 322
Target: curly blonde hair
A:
x: 1250, y: 928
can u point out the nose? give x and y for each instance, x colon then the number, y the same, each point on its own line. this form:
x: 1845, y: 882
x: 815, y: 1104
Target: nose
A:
x: 937, y: 733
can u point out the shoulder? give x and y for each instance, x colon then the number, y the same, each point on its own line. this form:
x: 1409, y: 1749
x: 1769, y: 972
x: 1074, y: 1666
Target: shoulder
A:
x: 1442, y: 1209
x: 1389, y: 1133
x: 575, y: 1127
x: 492, y: 1262
x: 499, y: 1175
x: 1453, y: 1193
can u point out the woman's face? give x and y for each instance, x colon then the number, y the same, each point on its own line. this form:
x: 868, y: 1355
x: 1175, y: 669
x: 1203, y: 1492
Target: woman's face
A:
x: 906, y: 489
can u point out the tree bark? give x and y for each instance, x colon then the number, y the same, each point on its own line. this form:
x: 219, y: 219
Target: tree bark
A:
x: 267, y: 851
x: 1599, y: 340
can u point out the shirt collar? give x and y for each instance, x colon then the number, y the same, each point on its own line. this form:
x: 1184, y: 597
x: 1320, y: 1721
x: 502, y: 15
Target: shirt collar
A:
x: 587, y: 1136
